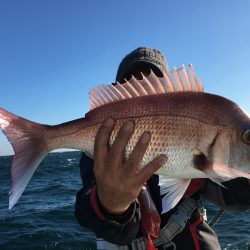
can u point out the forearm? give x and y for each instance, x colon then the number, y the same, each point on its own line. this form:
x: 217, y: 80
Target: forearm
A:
x: 117, y: 230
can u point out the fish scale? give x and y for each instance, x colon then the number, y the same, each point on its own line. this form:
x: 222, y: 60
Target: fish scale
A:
x: 177, y: 142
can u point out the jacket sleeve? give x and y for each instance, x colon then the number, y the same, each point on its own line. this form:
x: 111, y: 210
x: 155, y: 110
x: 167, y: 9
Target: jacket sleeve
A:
x: 235, y: 196
x: 119, y: 230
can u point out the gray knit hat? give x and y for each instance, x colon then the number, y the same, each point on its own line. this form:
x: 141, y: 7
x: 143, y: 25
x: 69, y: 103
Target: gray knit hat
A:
x: 151, y: 58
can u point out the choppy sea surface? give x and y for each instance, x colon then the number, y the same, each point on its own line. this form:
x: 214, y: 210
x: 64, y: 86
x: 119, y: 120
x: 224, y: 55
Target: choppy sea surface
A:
x: 43, y: 218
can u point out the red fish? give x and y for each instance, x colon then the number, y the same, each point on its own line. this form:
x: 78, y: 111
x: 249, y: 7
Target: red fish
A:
x: 203, y: 135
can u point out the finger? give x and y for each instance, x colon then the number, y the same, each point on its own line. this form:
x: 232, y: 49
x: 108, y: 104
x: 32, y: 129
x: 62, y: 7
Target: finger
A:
x: 139, y: 151
x: 152, y: 167
x: 120, y: 143
x: 102, y: 140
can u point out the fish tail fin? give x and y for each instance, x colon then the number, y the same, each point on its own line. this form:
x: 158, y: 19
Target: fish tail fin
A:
x: 29, y: 144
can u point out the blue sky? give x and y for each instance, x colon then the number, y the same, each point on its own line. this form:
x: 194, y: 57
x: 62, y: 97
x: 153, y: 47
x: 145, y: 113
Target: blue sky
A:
x: 53, y: 51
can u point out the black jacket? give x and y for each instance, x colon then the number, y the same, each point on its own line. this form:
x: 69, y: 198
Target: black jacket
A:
x: 122, y: 230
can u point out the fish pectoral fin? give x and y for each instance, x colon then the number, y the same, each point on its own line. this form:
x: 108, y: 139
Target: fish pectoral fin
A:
x: 218, y: 172
x: 173, y: 190
x: 200, y: 160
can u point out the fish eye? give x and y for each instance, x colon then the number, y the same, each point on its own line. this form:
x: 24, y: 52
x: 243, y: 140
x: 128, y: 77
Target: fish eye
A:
x: 246, y: 137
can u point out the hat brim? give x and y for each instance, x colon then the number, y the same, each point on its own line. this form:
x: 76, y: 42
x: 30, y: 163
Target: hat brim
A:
x: 136, y: 68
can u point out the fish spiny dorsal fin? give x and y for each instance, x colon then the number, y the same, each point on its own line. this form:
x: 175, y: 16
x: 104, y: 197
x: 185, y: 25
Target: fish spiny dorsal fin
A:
x: 167, y: 83
x: 185, y: 78
x: 159, y: 87
x: 137, y: 84
x: 131, y: 89
x: 148, y: 85
x: 177, y: 80
x: 196, y: 82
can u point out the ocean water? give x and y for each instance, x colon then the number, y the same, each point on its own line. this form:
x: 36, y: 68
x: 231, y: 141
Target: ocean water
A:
x: 43, y: 218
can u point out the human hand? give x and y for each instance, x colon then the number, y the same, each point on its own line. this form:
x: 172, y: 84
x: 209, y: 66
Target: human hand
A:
x: 119, y: 182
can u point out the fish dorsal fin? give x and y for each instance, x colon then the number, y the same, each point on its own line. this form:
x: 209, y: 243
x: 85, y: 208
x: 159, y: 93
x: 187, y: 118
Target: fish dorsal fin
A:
x: 177, y: 80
